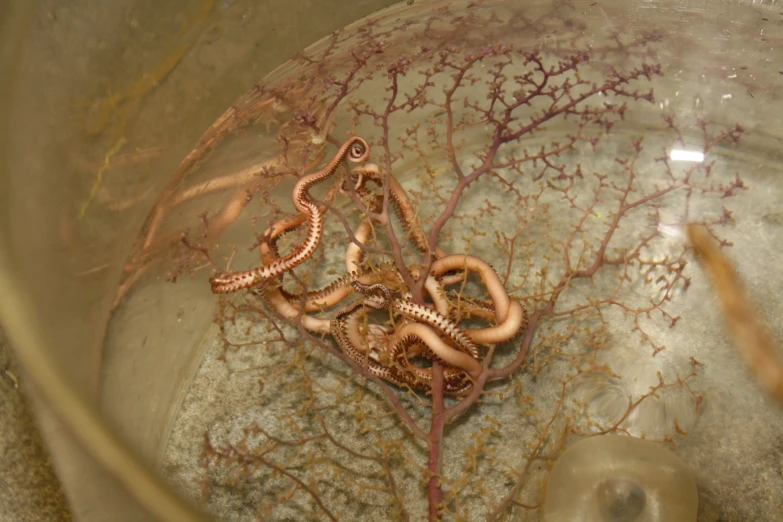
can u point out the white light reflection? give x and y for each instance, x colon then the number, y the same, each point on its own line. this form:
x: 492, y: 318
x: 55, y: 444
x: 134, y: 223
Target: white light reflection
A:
x: 671, y: 232
x: 686, y: 155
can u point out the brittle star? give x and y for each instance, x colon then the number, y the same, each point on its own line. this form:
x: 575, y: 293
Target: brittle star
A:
x: 423, y: 331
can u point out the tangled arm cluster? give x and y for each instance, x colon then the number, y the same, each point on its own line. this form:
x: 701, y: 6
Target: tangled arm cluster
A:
x: 430, y: 331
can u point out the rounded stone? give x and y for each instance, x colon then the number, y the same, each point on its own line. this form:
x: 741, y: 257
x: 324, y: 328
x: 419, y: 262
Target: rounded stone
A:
x: 613, y: 478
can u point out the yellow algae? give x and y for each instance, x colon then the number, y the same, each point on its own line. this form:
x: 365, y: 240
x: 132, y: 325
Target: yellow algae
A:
x: 117, y: 106
x: 99, y: 177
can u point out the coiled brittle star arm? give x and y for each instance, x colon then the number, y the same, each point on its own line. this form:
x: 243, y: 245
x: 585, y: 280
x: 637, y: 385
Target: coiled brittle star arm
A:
x: 509, y: 314
x: 391, y: 362
x: 356, y: 150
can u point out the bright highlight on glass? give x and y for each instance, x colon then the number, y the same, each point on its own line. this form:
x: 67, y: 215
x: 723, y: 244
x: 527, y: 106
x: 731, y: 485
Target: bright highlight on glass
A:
x: 686, y: 155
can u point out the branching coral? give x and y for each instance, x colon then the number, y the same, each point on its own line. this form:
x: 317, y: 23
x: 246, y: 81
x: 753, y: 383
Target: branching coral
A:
x: 508, y: 222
